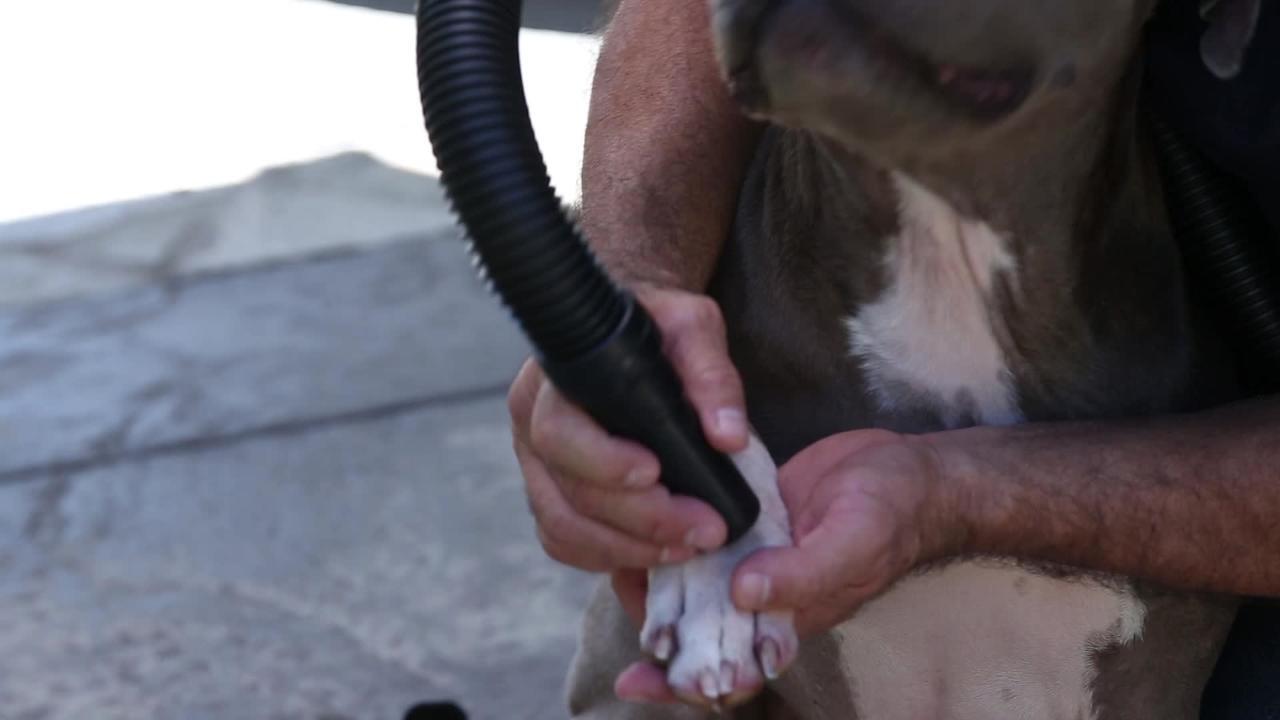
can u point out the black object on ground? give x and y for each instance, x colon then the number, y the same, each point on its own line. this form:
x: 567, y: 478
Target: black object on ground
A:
x: 435, y: 711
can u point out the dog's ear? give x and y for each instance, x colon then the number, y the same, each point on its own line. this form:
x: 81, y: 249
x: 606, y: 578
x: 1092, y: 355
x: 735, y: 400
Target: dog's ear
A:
x: 1231, y: 27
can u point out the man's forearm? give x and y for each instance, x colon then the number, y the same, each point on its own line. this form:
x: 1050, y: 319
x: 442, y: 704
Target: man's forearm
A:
x: 1189, y: 501
x: 665, y: 149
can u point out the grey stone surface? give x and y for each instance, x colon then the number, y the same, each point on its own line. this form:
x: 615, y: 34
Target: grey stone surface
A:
x: 343, y: 202
x: 267, y: 476
x: 340, y: 572
x: 219, y: 355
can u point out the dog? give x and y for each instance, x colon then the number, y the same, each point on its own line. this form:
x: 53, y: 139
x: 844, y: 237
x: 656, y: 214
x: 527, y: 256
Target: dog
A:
x: 954, y: 218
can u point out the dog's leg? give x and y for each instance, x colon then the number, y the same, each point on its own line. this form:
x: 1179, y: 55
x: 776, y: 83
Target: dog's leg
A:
x: 718, y: 654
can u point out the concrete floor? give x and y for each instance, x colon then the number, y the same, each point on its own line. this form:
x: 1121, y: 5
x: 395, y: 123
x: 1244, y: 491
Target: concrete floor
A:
x: 274, y: 489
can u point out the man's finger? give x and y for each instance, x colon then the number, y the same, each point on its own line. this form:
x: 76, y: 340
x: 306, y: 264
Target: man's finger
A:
x: 572, y: 443
x: 631, y: 587
x: 694, y: 335
x: 654, y: 515
x: 789, y: 578
x: 579, y: 541
x: 644, y: 683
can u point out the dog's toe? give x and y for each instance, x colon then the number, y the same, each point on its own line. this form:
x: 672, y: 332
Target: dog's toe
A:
x: 776, y: 643
x: 663, y: 607
x: 719, y: 656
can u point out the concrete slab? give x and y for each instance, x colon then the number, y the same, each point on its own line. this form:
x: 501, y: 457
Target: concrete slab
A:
x: 225, y: 355
x: 343, y: 202
x: 334, y: 573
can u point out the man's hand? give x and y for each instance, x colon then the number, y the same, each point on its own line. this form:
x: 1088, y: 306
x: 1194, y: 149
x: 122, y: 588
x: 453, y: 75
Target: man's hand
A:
x: 866, y: 507
x: 596, y: 498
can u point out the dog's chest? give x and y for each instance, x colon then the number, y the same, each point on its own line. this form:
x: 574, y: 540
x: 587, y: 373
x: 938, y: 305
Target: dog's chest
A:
x: 971, y: 641
x: 929, y: 341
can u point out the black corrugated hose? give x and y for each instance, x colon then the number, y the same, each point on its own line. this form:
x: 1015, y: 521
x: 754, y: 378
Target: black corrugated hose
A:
x: 597, y: 344
x: 1224, y: 239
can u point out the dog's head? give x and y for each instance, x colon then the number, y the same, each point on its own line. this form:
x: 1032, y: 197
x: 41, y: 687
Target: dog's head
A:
x: 917, y: 77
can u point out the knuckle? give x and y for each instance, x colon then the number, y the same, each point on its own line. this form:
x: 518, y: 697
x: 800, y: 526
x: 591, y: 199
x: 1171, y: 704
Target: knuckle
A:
x: 655, y: 522
x: 553, y: 548
x: 654, y: 528
x: 699, y: 311
x: 593, y: 504
x: 558, y: 525
x: 576, y: 497
x: 647, y: 556
x: 693, y: 312
x: 544, y: 433
x: 714, y: 375
x: 707, y: 312
x: 522, y: 391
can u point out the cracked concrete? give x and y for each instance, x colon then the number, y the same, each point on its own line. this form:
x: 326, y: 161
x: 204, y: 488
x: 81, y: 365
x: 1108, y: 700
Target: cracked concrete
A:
x: 352, y: 571
x: 341, y: 203
x: 210, y: 356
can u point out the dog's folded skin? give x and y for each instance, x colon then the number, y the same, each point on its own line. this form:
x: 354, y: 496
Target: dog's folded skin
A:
x: 972, y: 235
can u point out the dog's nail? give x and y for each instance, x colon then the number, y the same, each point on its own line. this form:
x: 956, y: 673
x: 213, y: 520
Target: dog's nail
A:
x: 663, y: 645
x: 755, y: 589
x: 708, y: 684
x: 728, y: 676
x: 770, y: 657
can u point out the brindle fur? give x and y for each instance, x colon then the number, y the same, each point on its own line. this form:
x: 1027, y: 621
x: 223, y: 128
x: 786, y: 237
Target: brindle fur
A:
x: 1100, y: 326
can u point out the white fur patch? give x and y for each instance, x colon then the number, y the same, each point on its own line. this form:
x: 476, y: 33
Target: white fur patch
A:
x: 931, y: 330
x: 976, y: 641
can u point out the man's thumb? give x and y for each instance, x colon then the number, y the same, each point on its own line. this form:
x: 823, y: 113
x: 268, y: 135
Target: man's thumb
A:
x: 787, y: 578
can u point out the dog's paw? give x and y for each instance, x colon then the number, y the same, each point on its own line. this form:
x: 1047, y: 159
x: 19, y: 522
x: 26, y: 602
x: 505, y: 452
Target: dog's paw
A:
x: 717, y: 655
x: 723, y: 655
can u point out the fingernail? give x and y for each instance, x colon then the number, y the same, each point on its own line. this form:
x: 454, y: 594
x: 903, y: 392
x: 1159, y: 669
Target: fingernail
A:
x: 702, y: 538
x: 638, y: 478
x: 669, y: 554
x: 731, y: 421
x: 754, y: 589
